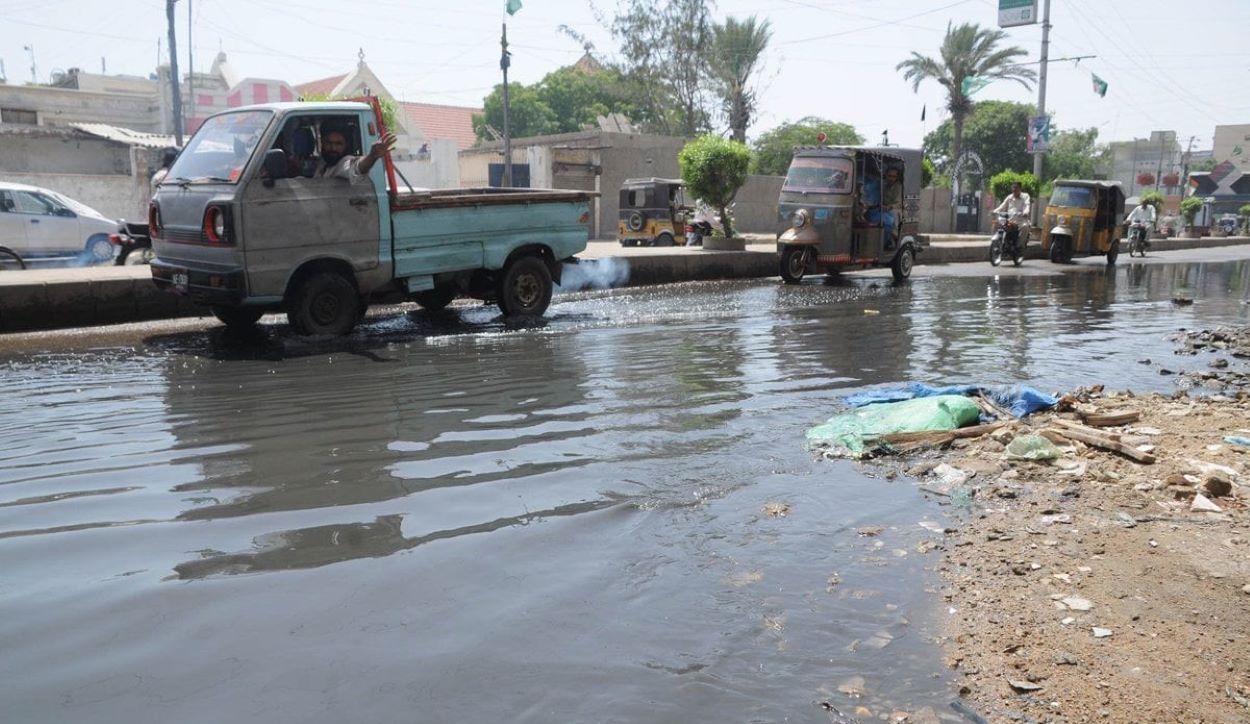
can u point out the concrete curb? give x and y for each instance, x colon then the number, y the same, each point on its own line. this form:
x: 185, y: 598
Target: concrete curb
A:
x: 58, y: 298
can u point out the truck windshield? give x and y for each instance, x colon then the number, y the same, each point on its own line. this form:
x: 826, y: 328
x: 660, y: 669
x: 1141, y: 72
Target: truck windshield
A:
x: 220, y: 149
x: 821, y: 175
x: 1073, y: 197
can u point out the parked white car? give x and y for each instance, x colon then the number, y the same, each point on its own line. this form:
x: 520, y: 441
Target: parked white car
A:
x: 37, y: 222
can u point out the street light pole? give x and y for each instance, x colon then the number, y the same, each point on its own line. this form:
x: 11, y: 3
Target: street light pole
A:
x: 173, y: 72
x: 1039, y: 159
x: 504, y: 62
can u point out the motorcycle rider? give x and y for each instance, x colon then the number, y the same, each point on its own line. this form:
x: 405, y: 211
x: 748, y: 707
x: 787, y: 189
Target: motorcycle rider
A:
x: 1017, y: 206
x: 1145, y: 214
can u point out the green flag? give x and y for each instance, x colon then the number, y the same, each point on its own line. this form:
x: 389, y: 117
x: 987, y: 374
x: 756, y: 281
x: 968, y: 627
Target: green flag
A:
x: 972, y: 84
x: 1100, y: 85
x: 513, y: 6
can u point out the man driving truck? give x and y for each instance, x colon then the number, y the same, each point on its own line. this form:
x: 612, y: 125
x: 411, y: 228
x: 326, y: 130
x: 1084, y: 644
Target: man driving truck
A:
x: 336, y: 163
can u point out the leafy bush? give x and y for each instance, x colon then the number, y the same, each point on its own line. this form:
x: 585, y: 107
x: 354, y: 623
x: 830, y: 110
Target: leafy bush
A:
x: 1190, y: 208
x: 1154, y: 198
x: 1245, y: 217
x: 1000, y: 183
x: 714, y: 168
x: 927, y: 172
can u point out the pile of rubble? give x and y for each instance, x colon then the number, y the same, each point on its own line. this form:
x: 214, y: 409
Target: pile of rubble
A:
x: 1219, y: 344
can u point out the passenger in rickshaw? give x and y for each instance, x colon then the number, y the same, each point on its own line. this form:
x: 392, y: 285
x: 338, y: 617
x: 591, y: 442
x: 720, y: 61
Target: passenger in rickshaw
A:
x: 883, y: 200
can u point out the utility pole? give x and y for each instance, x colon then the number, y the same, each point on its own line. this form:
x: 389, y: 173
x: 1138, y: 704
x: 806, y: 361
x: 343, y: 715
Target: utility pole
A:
x: 173, y: 72
x: 1039, y: 159
x: 504, y: 62
x: 190, y: 67
x: 1185, y: 169
x: 1163, y: 140
x: 34, y: 74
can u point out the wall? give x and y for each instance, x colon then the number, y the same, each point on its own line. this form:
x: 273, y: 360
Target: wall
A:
x: 755, y: 205
x: 62, y: 106
x: 440, y: 171
x: 626, y: 156
x: 1232, y: 143
x: 33, y: 149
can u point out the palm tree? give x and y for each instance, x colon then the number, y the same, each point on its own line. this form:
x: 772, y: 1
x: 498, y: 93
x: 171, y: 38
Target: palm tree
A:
x: 968, y: 51
x: 737, y: 49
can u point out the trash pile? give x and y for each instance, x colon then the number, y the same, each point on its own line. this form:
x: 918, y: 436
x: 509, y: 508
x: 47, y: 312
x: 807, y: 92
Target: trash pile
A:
x: 1219, y: 344
x: 903, y: 418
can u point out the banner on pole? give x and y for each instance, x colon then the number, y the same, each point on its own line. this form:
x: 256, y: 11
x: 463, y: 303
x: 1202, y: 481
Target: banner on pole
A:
x: 1016, y: 12
x: 1039, y: 134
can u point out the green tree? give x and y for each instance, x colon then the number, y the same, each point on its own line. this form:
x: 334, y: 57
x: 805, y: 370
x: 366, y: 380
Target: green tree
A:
x: 995, y: 130
x: 714, y: 168
x: 927, y: 172
x: 1245, y: 218
x: 1153, y: 198
x: 661, y: 49
x: 1000, y: 183
x: 1075, y: 154
x: 735, y: 56
x: 390, y: 111
x: 578, y: 98
x: 530, y: 115
x: 1190, y: 208
x: 775, y: 148
x: 968, y: 52
x: 1203, y: 165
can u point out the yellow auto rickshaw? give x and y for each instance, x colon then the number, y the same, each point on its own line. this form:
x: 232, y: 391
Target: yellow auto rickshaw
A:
x: 1083, y: 218
x: 653, y: 212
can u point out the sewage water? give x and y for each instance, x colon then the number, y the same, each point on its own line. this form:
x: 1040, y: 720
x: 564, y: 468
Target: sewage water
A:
x: 448, y: 519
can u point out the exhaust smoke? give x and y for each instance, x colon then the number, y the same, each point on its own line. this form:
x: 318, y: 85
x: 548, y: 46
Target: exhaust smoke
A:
x: 594, y: 274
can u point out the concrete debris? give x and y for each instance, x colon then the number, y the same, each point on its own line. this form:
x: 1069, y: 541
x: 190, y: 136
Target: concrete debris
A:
x: 1203, y: 504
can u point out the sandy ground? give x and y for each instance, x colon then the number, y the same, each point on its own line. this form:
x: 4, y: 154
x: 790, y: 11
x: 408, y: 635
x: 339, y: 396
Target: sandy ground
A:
x: 1093, y: 587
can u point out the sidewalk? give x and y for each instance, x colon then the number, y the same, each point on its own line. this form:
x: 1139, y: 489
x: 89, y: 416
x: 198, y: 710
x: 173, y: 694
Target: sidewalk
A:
x: 54, y: 298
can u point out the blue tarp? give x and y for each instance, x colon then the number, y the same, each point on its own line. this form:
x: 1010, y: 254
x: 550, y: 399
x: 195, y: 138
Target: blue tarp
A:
x: 1019, y: 400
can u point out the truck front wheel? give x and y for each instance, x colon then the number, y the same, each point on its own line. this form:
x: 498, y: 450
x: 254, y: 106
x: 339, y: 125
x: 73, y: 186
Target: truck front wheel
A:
x: 525, y: 288
x: 325, y: 303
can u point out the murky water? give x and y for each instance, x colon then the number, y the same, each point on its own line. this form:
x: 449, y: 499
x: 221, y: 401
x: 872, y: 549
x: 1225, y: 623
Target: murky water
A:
x: 444, y: 519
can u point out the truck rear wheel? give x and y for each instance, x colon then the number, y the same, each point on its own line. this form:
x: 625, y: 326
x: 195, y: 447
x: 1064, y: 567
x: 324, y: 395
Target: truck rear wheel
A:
x: 238, y: 317
x: 325, y: 303
x: 525, y: 288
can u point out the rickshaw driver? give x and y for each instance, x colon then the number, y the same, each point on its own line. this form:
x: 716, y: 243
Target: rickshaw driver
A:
x: 884, y: 201
x: 1017, y: 206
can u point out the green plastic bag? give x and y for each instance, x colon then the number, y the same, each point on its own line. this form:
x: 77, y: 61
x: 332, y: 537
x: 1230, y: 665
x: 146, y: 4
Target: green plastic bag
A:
x: 855, y: 433
x: 1032, y: 447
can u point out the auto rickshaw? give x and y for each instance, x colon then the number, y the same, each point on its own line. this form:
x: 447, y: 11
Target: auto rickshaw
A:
x: 1083, y: 218
x: 653, y: 212
x: 839, y: 209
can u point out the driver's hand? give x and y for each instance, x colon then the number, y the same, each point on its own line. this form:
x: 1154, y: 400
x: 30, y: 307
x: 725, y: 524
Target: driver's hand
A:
x: 384, y: 145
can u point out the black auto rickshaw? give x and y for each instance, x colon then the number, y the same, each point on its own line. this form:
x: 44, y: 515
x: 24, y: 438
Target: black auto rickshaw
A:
x: 850, y: 206
x: 1083, y: 218
x: 653, y: 212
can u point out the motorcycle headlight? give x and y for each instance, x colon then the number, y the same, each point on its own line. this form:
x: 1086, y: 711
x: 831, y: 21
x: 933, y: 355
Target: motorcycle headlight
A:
x: 799, y: 219
x: 1063, y: 221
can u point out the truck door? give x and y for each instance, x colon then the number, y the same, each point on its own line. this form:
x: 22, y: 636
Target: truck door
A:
x: 310, y: 215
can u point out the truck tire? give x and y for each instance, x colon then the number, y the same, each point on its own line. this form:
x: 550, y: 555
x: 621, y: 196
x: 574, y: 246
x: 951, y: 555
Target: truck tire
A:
x: 525, y: 288
x: 903, y: 262
x: 238, y: 317
x: 435, y: 299
x: 793, y: 264
x: 324, y: 303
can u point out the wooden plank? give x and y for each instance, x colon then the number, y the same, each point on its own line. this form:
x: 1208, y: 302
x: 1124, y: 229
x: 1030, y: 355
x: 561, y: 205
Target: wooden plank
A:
x: 1110, y: 419
x: 1100, y: 439
x: 942, y: 436
x: 998, y: 410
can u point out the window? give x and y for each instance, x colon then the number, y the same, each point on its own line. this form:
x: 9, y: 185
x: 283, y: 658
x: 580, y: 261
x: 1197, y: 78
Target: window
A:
x: 15, y: 115
x: 6, y: 202
x: 31, y: 203
x: 221, y: 147
x: 822, y: 174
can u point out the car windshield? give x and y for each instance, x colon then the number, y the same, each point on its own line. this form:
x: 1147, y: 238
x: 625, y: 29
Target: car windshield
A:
x: 823, y: 175
x: 220, y: 149
x: 77, y: 207
x: 1075, y: 197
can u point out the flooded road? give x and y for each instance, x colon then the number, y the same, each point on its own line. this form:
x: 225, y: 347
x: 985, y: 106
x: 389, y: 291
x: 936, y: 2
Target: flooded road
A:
x: 447, y: 519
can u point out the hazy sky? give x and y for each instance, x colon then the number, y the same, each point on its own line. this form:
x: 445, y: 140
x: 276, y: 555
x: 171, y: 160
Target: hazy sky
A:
x: 830, y: 58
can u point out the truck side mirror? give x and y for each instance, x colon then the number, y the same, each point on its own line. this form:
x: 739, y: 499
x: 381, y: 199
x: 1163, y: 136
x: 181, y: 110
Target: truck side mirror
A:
x: 275, y: 166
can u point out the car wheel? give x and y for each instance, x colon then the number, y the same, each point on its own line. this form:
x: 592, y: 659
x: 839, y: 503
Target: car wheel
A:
x: 793, y: 264
x: 325, y: 303
x: 902, y: 264
x: 99, y: 249
x: 435, y: 299
x: 525, y: 288
x: 238, y: 317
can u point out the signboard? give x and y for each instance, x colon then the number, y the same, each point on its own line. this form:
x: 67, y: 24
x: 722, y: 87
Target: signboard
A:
x: 1038, y: 139
x: 1016, y: 12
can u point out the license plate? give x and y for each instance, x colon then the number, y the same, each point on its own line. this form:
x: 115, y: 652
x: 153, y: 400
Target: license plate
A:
x: 180, y: 281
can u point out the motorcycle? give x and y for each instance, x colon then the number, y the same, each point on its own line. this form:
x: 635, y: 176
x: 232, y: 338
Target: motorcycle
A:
x: 134, y: 244
x: 1138, y: 239
x: 1004, y: 243
x: 697, y: 231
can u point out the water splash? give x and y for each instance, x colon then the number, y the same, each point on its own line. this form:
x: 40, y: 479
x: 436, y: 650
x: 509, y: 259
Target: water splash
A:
x: 594, y: 274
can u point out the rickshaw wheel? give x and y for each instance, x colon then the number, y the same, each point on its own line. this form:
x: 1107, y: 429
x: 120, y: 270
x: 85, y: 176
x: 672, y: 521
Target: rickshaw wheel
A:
x: 902, y: 264
x: 1060, y: 251
x: 1113, y: 252
x: 665, y: 239
x: 793, y: 264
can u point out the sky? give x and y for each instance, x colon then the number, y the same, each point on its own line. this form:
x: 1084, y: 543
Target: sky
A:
x: 830, y: 58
